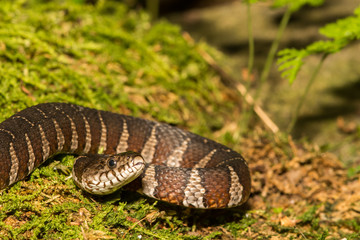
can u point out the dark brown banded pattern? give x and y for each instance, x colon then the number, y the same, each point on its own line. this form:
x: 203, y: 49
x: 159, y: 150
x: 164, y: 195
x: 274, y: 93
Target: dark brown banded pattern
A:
x: 181, y: 167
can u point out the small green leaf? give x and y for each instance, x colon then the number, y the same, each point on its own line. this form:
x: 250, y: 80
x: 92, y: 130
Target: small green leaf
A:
x: 296, y: 4
x: 340, y: 34
x: 353, y: 171
x: 290, y: 62
x: 253, y: 1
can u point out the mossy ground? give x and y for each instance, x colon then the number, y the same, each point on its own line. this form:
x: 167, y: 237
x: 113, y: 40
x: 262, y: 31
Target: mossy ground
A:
x: 112, y: 58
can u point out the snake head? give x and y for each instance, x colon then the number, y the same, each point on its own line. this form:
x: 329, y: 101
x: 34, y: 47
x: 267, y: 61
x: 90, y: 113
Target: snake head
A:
x: 105, y: 174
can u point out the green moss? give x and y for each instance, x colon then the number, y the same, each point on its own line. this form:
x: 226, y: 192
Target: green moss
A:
x: 105, y: 56
x: 108, y: 57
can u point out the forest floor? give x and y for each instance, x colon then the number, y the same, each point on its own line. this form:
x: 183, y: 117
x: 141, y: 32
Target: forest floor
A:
x: 108, y: 57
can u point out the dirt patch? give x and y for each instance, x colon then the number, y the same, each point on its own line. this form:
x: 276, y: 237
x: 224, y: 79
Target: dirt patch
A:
x: 298, y: 189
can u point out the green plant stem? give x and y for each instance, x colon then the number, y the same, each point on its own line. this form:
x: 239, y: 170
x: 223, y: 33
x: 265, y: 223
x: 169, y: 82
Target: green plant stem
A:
x: 302, y: 99
x: 274, y: 47
x: 251, y: 44
x: 248, y: 114
x: 153, y: 8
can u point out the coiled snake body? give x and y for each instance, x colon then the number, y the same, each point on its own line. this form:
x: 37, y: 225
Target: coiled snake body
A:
x: 173, y: 165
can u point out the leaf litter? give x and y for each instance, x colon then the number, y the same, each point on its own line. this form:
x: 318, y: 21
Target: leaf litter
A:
x: 288, y: 182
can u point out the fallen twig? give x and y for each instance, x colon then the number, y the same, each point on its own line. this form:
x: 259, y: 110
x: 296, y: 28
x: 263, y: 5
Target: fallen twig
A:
x: 228, y: 80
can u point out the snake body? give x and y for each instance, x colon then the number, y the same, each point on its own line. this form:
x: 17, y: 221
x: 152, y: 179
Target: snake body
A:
x: 179, y: 167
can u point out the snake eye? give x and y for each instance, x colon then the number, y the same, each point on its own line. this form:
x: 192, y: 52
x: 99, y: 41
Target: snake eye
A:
x: 111, y: 163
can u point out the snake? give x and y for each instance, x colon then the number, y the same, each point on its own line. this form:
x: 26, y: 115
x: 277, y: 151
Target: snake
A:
x: 116, y: 151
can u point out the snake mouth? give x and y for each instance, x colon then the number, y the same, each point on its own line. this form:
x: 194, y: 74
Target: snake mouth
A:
x: 123, y: 168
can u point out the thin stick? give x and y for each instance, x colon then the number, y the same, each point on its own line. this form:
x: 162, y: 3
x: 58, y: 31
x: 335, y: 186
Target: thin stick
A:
x: 228, y: 80
x: 257, y: 109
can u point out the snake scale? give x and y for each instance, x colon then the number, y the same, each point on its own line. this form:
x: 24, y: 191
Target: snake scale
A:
x: 169, y: 164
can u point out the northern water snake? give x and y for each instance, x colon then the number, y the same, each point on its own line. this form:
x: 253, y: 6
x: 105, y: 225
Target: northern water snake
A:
x: 179, y: 167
